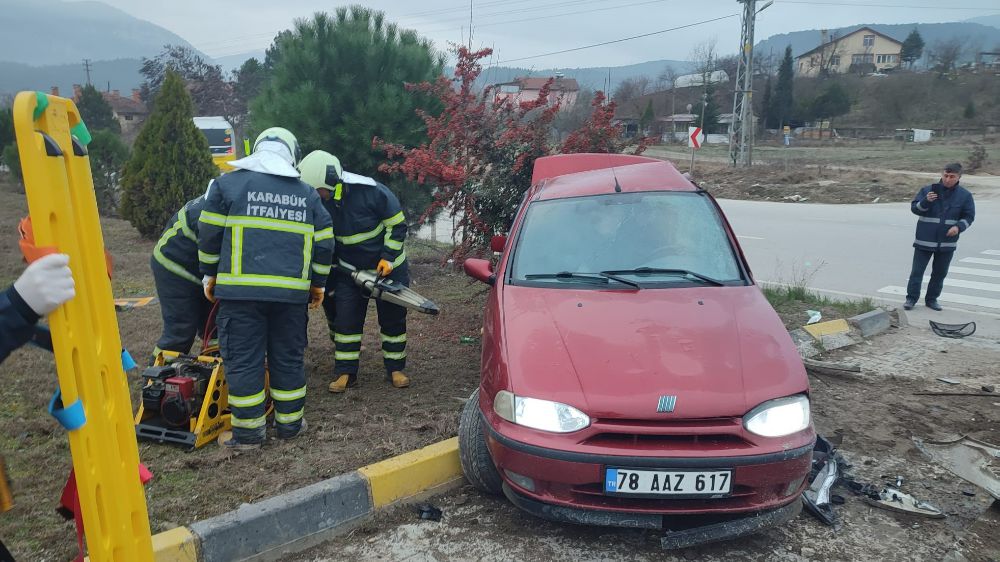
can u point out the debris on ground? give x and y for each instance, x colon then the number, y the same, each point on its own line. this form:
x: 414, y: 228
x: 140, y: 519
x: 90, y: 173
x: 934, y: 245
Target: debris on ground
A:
x: 972, y: 460
x: 814, y: 316
x: 953, y: 330
x: 429, y: 512
x: 823, y: 475
x: 893, y: 499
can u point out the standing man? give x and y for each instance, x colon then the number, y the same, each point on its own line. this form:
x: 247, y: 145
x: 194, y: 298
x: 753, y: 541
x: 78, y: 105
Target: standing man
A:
x: 946, y: 209
x: 177, y: 276
x: 370, y: 229
x: 265, y: 247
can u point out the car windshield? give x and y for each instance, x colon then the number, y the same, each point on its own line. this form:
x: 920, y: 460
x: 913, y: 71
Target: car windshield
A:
x: 220, y: 141
x: 647, y: 238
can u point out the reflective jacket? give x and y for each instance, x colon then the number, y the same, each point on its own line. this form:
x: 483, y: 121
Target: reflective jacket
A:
x: 264, y: 238
x: 369, y: 223
x: 17, y: 322
x: 953, y: 207
x: 177, y: 250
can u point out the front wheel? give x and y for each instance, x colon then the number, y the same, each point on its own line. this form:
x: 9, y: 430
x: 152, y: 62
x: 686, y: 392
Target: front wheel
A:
x: 477, y: 464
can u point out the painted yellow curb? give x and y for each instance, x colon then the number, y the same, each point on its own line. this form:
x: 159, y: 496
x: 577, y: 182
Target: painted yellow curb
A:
x: 826, y: 328
x: 175, y: 545
x: 412, y: 473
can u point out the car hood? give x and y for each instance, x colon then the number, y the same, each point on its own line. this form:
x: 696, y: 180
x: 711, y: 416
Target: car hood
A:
x: 719, y: 350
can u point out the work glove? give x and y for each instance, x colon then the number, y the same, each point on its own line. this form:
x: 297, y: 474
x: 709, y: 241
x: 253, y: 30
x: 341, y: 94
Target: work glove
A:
x: 46, y: 283
x: 316, y: 296
x: 208, y: 282
x: 384, y: 268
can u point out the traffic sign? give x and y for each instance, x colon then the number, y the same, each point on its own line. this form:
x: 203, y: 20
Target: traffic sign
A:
x: 695, y: 137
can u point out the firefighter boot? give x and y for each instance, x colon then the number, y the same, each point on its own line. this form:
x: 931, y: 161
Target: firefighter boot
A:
x: 399, y: 380
x: 342, y: 383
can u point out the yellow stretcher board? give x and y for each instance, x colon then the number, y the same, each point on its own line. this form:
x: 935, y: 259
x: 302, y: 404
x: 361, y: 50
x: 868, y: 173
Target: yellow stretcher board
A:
x: 51, y: 139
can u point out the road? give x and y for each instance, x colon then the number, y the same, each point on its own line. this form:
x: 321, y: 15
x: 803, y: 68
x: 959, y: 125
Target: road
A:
x: 853, y: 251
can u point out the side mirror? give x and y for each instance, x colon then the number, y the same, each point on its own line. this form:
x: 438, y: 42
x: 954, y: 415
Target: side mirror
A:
x: 497, y: 243
x: 481, y: 270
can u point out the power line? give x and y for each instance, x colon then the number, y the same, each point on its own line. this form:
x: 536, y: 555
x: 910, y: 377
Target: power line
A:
x: 619, y: 40
x: 866, y: 5
x: 559, y: 15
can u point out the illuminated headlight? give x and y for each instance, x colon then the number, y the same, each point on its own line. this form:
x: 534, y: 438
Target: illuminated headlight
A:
x: 539, y: 414
x: 777, y: 418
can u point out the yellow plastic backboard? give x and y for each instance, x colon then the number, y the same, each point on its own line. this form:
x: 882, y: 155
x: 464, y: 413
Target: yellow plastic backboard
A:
x: 51, y: 139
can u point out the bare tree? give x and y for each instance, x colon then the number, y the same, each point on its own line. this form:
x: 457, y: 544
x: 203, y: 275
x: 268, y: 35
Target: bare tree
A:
x: 728, y: 65
x: 704, y: 57
x: 630, y: 89
x: 667, y: 77
x: 946, y: 53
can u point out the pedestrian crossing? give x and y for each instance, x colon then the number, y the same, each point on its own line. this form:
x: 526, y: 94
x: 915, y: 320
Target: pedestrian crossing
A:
x: 973, y: 281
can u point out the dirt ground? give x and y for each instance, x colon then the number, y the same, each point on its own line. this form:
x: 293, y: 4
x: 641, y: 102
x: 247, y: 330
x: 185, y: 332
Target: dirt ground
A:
x: 368, y: 424
x: 874, y: 414
x: 800, y: 185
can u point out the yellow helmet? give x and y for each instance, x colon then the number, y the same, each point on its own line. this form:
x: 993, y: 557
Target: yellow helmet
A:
x: 321, y: 170
x: 282, y: 135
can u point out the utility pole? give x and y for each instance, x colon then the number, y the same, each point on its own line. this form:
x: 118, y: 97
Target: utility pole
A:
x: 86, y: 67
x: 470, y: 24
x: 741, y: 130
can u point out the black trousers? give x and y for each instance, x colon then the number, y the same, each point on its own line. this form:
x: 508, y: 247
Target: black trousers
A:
x: 183, y: 307
x: 249, y: 331
x: 345, y: 315
x: 939, y: 270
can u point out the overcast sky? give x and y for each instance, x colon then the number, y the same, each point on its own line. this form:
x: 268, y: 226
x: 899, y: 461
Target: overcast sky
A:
x: 516, y: 29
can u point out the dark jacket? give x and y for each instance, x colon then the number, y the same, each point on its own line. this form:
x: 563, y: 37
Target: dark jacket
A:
x: 17, y: 322
x: 369, y: 225
x: 177, y: 250
x: 264, y: 237
x: 953, y: 207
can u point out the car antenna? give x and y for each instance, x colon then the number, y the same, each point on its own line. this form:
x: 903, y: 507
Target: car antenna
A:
x: 618, y: 186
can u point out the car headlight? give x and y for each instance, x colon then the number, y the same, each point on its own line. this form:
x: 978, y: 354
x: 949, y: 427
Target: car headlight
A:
x: 539, y: 414
x: 777, y: 418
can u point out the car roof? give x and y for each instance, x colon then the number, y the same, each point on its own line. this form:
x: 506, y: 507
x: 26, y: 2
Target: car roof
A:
x: 212, y: 122
x: 577, y: 175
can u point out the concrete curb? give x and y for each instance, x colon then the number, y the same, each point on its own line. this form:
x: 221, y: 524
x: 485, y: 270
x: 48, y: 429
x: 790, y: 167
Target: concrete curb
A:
x: 871, y: 323
x: 269, y: 529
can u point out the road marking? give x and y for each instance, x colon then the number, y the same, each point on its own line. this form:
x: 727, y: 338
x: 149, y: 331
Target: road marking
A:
x: 948, y: 297
x: 991, y: 252
x: 977, y: 285
x: 982, y: 261
x: 749, y: 237
x: 973, y: 271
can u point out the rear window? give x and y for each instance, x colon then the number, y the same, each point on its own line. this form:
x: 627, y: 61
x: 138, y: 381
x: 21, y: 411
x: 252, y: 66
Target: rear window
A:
x: 220, y: 141
x: 625, y: 231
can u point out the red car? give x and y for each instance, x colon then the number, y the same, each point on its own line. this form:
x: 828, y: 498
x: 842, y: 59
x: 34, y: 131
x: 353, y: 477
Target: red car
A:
x: 632, y: 371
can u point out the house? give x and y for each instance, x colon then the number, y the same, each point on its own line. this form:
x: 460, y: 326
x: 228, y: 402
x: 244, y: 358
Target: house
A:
x: 130, y: 111
x: 863, y: 50
x: 527, y: 88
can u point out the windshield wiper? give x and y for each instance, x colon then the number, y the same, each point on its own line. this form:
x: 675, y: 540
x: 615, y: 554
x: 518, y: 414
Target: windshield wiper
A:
x: 651, y: 270
x: 601, y: 277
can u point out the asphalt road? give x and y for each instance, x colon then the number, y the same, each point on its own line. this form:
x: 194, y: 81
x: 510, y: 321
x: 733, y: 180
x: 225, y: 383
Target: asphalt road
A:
x: 852, y: 251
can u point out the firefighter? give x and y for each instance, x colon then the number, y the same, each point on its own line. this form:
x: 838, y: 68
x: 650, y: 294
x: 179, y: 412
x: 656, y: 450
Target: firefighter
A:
x: 265, y: 246
x: 178, y: 280
x: 44, y: 285
x: 370, y: 229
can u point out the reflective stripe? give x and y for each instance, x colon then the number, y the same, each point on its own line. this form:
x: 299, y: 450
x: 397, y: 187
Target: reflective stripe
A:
x: 212, y: 218
x: 205, y: 257
x: 321, y: 269
x: 288, y: 395
x: 307, y: 252
x: 928, y: 219
x: 236, y: 251
x: 949, y: 244
x: 346, y: 355
x: 394, y: 354
x: 324, y: 234
x: 346, y: 265
x: 271, y: 224
x: 182, y: 219
x: 393, y: 339
x: 921, y: 207
x: 252, y: 423
x: 394, y: 220
x: 950, y: 222
x: 246, y: 401
x: 346, y: 338
x: 288, y: 418
x: 358, y: 238
x: 927, y: 244
x: 393, y: 244
x: 263, y: 281
x: 399, y: 261
x: 966, y: 223
x: 173, y: 267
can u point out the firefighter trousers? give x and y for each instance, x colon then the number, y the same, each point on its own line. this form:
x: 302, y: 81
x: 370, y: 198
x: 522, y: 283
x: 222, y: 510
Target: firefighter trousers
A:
x: 346, y: 313
x: 249, y: 331
x: 183, y: 307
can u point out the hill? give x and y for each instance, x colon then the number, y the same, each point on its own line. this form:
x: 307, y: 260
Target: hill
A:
x: 120, y: 74
x: 975, y: 37
x: 75, y: 31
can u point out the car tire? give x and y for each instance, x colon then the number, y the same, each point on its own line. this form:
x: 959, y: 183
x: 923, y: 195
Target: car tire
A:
x: 477, y: 464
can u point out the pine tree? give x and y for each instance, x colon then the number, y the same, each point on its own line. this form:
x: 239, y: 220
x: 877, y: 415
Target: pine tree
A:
x: 647, y: 117
x: 912, y: 49
x: 783, y: 99
x: 96, y: 111
x: 970, y: 110
x: 766, y: 115
x: 170, y: 163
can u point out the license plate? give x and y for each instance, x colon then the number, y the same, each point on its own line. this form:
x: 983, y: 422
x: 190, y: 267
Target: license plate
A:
x: 668, y: 482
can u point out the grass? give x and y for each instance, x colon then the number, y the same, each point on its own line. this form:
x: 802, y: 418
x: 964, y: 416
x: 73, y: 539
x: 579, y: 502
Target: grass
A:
x: 792, y: 301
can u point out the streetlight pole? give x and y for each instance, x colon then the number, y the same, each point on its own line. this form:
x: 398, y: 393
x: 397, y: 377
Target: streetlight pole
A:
x: 704, y: 109
x: 741, y: 128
